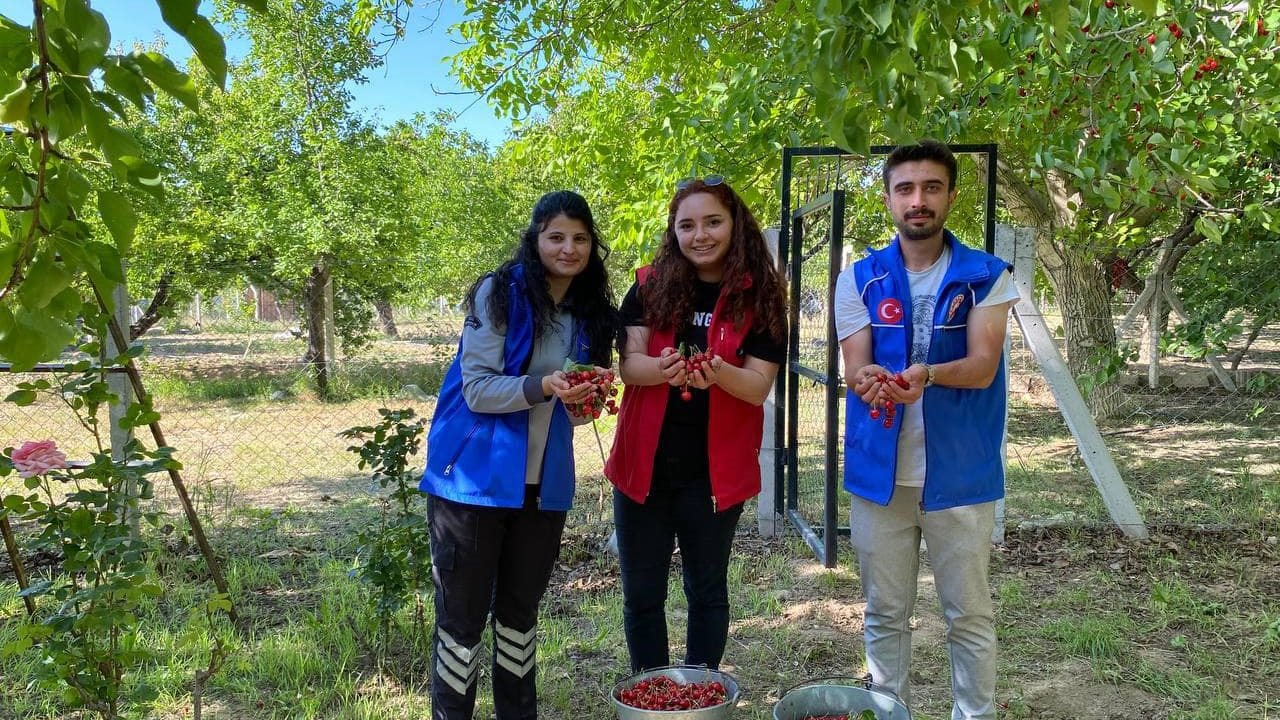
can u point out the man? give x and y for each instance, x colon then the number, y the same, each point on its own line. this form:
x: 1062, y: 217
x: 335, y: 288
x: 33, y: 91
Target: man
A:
x: 921, y: 326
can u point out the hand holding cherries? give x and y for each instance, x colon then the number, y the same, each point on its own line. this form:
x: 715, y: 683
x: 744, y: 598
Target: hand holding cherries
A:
x: 602, y: 398
x: 695, y: 361
x: 890, y: 407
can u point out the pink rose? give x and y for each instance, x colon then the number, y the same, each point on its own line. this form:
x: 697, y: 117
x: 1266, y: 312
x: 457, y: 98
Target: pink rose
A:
x: 37, y: 458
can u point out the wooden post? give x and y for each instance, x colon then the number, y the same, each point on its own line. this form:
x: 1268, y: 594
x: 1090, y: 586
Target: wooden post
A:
x: 330, y: 336
x: 157, y: 434
x: 768, y: 521
x: 1102, y: 467
x: 1153, y: 335
x: 11, y: 545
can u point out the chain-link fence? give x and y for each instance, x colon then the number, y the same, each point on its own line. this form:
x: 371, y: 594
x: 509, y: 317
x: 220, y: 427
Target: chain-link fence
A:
x: 242, y: 410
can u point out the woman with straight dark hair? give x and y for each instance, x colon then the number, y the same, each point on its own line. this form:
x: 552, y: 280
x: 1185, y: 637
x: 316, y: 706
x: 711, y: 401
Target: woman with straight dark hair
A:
x: 500, y: 472
x: 686, y: 454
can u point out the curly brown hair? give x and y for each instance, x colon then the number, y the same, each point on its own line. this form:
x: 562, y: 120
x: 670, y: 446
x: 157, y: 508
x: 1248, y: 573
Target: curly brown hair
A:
x: 749, y: 272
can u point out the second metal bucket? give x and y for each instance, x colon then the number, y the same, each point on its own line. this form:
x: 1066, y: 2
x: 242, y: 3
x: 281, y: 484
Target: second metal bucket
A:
x: 838, y: 696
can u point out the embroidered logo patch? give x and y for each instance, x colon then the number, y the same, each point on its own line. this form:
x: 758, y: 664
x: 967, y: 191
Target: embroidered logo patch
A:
x: 889, y: 310
x: 956, y: 302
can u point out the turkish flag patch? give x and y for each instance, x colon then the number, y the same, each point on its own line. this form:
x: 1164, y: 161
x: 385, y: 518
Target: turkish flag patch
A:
x: 889, y: 310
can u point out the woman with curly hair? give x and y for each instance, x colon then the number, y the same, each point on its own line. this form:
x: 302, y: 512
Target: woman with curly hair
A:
x: 686, y: 454
x: 500, y: 472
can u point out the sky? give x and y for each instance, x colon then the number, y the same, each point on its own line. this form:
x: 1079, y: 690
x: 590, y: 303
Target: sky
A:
x: 400, y: 88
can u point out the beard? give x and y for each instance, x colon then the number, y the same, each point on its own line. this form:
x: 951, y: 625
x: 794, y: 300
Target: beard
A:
x: 907, y: 231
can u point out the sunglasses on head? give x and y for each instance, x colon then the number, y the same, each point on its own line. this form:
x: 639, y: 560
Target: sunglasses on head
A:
x: 708, y: 180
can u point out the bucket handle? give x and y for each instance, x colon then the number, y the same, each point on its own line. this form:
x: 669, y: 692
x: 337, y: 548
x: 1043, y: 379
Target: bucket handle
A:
x: 864, y: 681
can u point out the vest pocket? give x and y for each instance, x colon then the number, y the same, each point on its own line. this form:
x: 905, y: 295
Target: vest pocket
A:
x: 453, y: 459
x: 948, y: 344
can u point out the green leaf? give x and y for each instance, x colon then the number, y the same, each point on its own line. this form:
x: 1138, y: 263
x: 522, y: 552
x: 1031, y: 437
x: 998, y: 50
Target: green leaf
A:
x: 90, y: 27
x: 178, y: 14
x: 15, y: 106
x: 8, y: 256
x: 115, y: 144
x: 29, y: 337
x: 161, y: 72
x: 80, y: 521
x: 46, y: 277
x: 210, y: 48
x: 119, y: 217
x: 1146, y: 7
x: 15, y: 647
x: 21, y: 397
x: 1209, y: 228
x: 856, y: 135
x: 128, y: 81
x: 882, y: 16
x: 254, y: 5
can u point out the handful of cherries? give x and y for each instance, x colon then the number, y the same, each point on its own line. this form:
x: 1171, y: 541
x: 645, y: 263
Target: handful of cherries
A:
x: 693, y: 361
x: 890, y: 408
x: 663, y: 693
x: 597, y: 403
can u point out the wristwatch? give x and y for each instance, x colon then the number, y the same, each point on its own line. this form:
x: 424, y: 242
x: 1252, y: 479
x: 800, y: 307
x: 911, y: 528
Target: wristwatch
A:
x: 928, y: 374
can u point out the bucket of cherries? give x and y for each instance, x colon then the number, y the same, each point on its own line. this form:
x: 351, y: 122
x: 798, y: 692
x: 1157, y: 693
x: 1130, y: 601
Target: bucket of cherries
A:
x: 603, y: 401
x: 678, y: 692
x: 840, y: 699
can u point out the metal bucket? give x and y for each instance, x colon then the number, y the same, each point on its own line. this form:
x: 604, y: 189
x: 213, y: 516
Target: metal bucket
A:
x: 839, y: 696
x: 681, y: 674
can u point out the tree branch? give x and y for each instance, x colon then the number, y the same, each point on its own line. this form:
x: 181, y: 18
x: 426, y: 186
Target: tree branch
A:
x: 155, y: 310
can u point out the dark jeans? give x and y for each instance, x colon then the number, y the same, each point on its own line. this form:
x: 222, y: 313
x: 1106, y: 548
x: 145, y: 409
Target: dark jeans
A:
x: 487, y: 559
x: 678, y: 508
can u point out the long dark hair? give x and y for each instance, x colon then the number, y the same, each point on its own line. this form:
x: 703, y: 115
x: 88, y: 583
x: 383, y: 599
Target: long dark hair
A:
x: 589, y: 298
x: 669, y: 293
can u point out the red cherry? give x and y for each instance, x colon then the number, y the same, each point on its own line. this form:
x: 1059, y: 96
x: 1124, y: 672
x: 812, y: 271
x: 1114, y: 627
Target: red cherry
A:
x: 1151, y: 39
x: 686, y: 396
x: 1110, y: 4
x: 875, y: 413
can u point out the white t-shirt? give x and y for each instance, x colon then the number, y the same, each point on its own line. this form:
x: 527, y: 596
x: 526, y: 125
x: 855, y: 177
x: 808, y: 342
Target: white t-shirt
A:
x: 852, y: 315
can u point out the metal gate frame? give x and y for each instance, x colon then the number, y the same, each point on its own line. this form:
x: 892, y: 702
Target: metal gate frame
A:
x: 824, y: 540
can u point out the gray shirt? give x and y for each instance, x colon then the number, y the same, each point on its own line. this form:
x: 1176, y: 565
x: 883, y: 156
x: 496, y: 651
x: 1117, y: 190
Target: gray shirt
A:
x: 487, y: 389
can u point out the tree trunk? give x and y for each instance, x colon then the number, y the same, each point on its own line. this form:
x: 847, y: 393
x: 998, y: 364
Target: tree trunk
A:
x: 1079, y: 280
x: 1238, y: 356
x: 1080, y: 286
x: 159, y: 303
x: 387, y: 318
x: 313, y: 297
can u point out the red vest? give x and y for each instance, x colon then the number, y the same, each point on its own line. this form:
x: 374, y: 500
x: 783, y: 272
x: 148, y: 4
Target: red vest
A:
x: 734, y: 431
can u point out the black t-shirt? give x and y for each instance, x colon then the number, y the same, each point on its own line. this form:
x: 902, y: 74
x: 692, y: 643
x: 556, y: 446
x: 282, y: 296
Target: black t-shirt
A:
x: 684, y: 427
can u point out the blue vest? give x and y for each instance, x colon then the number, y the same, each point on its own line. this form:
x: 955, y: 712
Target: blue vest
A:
x: 480, y: 458
x: 964, y: 428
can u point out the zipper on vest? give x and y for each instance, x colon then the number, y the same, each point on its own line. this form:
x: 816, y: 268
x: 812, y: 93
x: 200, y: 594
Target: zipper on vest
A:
x: 449, y: 468
x: 714, y: 509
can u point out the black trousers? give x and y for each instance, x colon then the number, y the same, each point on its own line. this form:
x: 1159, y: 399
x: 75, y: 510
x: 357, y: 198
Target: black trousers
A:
x: 678, y: 508
x: 489, y: 562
